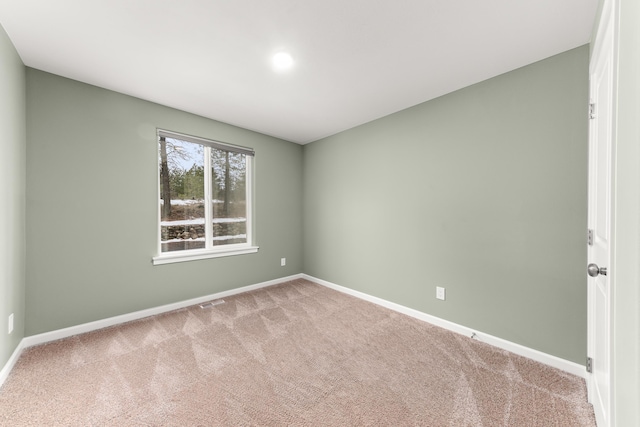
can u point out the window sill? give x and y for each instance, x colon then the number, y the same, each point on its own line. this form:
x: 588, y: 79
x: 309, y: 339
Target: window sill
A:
x: 193, y: 255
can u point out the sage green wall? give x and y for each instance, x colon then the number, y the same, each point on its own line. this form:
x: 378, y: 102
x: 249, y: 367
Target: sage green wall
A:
x: 12, y: 195
x: 92, y: 206
x: 626, y: 268
x: 482, y: 191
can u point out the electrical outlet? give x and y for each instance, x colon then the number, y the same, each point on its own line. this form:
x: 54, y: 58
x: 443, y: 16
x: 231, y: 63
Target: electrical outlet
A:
x: 440, y: 293
x: 283, y: 262
x: 10, y: 323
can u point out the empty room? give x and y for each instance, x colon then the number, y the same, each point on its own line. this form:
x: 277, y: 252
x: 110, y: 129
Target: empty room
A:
x: 321, y: 213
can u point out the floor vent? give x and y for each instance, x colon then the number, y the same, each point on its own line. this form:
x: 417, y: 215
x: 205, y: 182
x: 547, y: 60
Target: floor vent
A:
x: 212, y: 303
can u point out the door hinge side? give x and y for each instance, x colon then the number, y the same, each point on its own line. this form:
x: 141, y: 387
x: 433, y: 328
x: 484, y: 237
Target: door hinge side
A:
x: 590, y: 237
x: 589, y: 365
x: 592, y: 110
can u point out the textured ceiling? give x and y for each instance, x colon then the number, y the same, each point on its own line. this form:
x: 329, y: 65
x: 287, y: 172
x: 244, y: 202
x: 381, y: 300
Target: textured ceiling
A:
x: 355, y: 60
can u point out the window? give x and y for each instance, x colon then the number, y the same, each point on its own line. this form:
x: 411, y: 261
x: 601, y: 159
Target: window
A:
x: 205, y: 198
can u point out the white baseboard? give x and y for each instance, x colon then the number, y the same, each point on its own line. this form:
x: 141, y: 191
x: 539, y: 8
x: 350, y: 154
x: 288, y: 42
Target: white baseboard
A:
x: 112, y: 321
x: 538, y: 356
x: 6, y: 369
x: 547, y: 359
x: 116, y: 320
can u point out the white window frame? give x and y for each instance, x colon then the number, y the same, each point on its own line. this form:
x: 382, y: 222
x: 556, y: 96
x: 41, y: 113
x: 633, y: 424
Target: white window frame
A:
x: 210, y: 251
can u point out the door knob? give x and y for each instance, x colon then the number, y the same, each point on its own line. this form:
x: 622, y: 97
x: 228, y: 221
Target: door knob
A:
x: 594, y: 270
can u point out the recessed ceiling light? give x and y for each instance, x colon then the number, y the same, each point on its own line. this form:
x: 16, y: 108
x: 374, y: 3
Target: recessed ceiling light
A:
x: 282, y: 61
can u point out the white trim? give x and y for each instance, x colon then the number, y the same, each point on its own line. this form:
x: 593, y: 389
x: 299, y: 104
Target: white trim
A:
x: 116, y: 320
x: 112, y: 321
x: 605, y: 49
x: 547, y: 359
x: 207, y: 142
x: 192, y: 255
x: 249, y: 195
x: 6, y: 369
x: 538, y: 356
x: 210, y: 250
x: 208, y: 205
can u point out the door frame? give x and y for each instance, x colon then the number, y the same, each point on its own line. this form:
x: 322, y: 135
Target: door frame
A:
x: 606, y: 23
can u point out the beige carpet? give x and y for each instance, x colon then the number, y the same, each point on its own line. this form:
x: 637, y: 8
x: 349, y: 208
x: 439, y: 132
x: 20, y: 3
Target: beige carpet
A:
x: 288, y: 355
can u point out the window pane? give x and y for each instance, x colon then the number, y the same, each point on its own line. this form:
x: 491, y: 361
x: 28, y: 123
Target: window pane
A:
x: 182, y: 197
x: 229, y: 191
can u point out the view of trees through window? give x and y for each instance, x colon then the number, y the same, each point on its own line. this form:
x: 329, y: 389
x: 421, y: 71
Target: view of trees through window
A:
x: 203, y: 195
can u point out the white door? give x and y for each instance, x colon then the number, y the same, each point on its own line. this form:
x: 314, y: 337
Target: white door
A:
x: 601, y: 135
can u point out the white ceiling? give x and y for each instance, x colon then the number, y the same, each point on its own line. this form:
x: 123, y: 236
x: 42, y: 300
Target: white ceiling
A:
x: 355, y: 60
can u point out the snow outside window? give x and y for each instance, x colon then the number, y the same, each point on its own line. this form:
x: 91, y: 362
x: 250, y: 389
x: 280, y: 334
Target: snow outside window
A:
x: 205, y: 198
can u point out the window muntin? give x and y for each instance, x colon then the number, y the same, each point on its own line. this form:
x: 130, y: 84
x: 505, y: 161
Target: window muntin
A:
x: 208, y: 188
